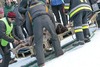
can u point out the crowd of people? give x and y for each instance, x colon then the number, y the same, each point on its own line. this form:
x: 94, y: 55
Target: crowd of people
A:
x: 24, y: 18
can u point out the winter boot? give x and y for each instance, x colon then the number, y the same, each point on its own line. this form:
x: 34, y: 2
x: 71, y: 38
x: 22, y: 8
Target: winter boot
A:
x: 86, y: 40
x: 79, y: 43
x: 86, y: 35
x: 79, y: 39
x: 41, y: 65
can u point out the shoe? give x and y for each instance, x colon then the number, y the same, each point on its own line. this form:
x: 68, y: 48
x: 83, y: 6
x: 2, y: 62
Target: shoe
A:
x: 75, y: 44
x: 79, y: 43
x: 41, y: 65
x: 86, y: 40
x: 57, y: 55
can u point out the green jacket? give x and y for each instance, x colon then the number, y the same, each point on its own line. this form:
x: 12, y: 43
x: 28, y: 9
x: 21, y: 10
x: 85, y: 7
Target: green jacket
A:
x: 7, y: 9
x: 8, y: 31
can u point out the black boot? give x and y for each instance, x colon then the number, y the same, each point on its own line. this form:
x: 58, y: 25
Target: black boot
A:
x: 86, y: 35
x: 41, y: 65
x: 86, y: 40
x: 80, y: 39
x: 78, y: 43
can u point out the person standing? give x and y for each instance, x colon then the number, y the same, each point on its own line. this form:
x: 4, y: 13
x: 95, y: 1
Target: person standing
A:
x: 58, y: 7
x: 78, y: 12
x: 6, y: 37
x: 40, y: 20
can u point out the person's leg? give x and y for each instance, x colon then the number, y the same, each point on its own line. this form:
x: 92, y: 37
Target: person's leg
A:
x: 52, y: 17
x: 19, y: 33
x: 6, y: 56
x: 78, y: 28
x: 56, y: 13
x: 63, y: 15
x: 86, y: 27
x: 28, y: 25
x: 54, y: 38
x: 24, y: 30
x: 1, y: 53
x: 38, y: 40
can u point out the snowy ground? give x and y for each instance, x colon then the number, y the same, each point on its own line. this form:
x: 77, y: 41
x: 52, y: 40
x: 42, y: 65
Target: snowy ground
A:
x: 81, y: 56
x: 24, y: 61
x: 87, y: 55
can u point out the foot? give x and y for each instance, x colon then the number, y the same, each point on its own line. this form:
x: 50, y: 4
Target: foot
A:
x: 79, y: 43
x: 87, y: 40
x: 41, y: 65
x: 57, y: 55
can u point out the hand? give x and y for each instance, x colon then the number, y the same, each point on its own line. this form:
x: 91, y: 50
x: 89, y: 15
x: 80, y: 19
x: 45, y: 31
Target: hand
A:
x: 47, y: 1
x: 16, y: 41
x: 21, y: 41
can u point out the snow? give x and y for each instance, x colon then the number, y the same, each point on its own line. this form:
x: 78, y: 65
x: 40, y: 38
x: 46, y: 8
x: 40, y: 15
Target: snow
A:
x: 87, y: 55
x: 81, y: 56
x: 23, y: 61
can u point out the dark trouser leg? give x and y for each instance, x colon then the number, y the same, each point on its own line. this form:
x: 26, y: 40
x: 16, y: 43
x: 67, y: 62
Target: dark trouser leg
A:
x: 78, y: 27
x: 56, y: 13
x: 63, y: 15
x: 86, y: 27
x: 1, y: 52
x: 6, y: 56
x: 28, y: 25
x: 19, y: 33
x: 86, y: 33
x: 52, y: 17
x: 54, y: 38
x: 24, y: 32
x: 38, y: 40
x: 7, y: 59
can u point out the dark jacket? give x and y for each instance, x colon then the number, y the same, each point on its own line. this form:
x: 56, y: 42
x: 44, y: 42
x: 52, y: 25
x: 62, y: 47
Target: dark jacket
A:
x: 36, y: 9
x: 75, y: 6
x: 3, y: 34
x: 92, y: 1
x: 22, y: 7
